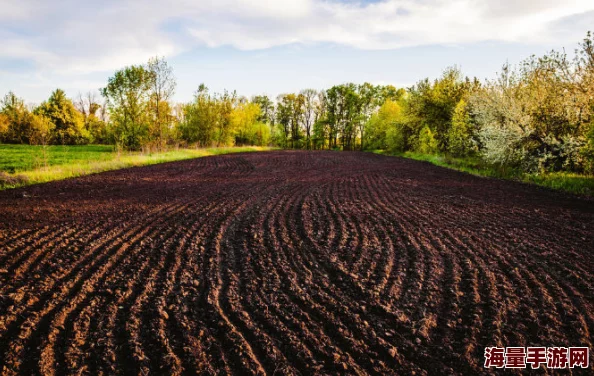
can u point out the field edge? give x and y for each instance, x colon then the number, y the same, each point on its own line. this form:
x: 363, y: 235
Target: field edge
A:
x: 569, y: 183
x: 119, y: 161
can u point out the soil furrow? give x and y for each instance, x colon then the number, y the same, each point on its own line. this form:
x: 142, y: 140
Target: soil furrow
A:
x: 288, y: 262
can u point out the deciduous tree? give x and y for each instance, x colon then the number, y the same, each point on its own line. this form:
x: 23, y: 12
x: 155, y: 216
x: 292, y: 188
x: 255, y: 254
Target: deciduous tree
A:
x: 128, y: 93
x: 68, y: 121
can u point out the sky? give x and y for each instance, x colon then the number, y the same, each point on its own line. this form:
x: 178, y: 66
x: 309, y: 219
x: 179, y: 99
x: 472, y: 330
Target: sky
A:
x: 274, y: 46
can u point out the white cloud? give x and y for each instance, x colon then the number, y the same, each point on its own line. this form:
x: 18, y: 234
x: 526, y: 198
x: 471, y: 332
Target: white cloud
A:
x: 391, y: 24
x: 88, y: 36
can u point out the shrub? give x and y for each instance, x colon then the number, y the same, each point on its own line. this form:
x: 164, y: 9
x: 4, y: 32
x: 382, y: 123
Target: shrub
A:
x: 397, y: 138
x: 461, y: 137
x: 427, y: 143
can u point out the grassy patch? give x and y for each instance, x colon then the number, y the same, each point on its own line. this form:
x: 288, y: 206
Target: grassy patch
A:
x: 561, y: 181
x: 24, y: 165
x: 18, y: 158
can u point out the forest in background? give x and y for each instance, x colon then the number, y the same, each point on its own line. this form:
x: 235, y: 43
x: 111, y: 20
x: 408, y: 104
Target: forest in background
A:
x: 536, y: 117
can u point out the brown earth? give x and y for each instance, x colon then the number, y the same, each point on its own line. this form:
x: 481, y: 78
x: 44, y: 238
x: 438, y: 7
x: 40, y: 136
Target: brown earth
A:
x: 288, y: 263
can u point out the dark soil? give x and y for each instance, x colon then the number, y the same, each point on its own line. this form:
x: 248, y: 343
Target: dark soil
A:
x: 288, y: 263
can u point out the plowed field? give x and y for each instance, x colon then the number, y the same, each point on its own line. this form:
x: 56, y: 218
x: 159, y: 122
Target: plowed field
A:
x: 288, y: 263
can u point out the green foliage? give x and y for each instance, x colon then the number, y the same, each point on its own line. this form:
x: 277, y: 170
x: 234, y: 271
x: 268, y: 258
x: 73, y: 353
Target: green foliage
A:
x: 19, y: 158
x: 258, y: 134
x: 4, y: 125
x: 18, y: 118
x: 224, y: 120
x: 335, y: 119
x: 385, y: 129
x: 68, y: 122
x: 536, y: 118
x: 283, y: 119
x: 533, y: 119
x: 344, y: 114
x: 381, y: 94
x: 309, y: 114
x: 162, y: 87
x: 42, y: 129
x: 397, y: 138
x: 138, y: 114
x: 127, y: 93
x: 427, y: 142
x: 223, y: 125
x: 289, y: 114
x: 461, y: 135
x: 248, y: 131
x: 97, y: 129
x: 433, y: 104
x: 199, y: 118
x: 266, y: 109
x: 562, y: 181
x: 320, y: 134
x: 588, y: 149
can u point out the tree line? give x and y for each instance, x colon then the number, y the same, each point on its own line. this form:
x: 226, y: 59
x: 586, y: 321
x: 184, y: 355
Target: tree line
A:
x: 534, y: 117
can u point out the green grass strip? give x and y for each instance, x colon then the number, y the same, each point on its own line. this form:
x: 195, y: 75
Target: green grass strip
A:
x: 579, y: 184
x: 22, y: 165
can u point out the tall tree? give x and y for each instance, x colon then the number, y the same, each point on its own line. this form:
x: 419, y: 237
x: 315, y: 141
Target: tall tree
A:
x: 87, y: 104
x: 224, y: 126
x: 266, y: 109
x: 127, y: 94
x: 333, y: 115
x: 283, y: 116
x: 94, y: 116
x: 297, y: 110
x: 199, y: 117
x: 162, y: 87
x: 367, y: 104
x: 309, y: 113
x: 320, y: 127
x: 18, y: 118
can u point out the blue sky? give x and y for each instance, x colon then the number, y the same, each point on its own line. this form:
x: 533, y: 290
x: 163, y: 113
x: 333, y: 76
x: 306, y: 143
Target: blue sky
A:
x: 271, y: 47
